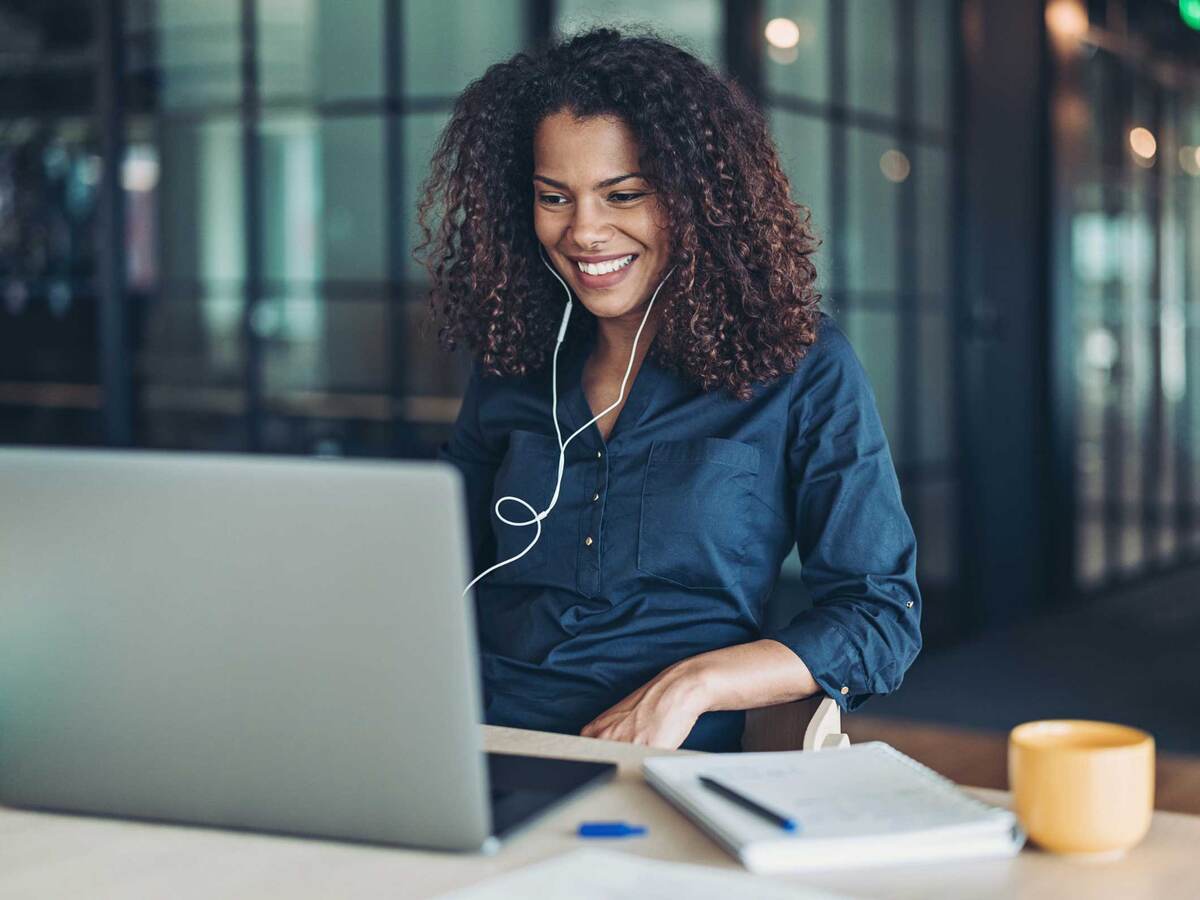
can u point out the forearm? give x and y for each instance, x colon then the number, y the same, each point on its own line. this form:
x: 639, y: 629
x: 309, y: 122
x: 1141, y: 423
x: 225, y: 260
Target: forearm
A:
x: 745, y: 676
x: 663, y: 710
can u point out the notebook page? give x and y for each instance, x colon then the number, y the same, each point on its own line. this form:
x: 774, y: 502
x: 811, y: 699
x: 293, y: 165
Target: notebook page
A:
x: 860, y: 791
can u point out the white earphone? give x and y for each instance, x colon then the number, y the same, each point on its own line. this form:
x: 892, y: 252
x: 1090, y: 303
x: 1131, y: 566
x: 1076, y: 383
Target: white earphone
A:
x: 562, y: 445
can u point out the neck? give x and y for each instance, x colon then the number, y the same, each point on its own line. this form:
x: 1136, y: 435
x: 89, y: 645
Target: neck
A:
x: 614, y: 338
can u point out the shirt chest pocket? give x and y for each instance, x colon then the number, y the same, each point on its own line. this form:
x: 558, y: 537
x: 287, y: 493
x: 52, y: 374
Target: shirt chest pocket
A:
x: 697, y: 499
x: 529, y: 470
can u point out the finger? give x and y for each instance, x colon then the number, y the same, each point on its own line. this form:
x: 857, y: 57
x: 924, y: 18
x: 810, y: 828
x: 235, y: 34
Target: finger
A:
x: 613, y: 731
x: 599, y: 727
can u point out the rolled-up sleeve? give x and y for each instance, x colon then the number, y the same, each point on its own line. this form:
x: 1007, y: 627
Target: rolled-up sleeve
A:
x: 477, y: 457
x: 855, y: 541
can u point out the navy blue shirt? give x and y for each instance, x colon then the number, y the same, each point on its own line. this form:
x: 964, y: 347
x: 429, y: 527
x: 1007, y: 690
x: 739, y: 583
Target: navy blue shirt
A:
x: 668, y: 538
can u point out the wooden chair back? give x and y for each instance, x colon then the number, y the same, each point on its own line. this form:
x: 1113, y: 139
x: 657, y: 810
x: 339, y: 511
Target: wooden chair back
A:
x: 814, y: 723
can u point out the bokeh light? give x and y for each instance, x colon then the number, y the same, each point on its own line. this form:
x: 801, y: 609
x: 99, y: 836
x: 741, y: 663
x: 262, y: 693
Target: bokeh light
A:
x: 782, y: 33
x: 1142, y: 143
x: 1067, y: 19
x: 895, y: 166
x: 1189, y: 159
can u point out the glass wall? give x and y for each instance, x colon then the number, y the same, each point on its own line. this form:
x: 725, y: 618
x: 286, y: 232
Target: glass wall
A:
x: 1127, y: 136
x: 859, y: 95
x: 279, y: 145
x: 49, y: 178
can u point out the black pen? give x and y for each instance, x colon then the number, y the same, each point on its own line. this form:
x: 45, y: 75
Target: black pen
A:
x: 745, y: 802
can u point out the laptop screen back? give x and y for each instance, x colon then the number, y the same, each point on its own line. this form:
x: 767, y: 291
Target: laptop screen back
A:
x: 270, y: 643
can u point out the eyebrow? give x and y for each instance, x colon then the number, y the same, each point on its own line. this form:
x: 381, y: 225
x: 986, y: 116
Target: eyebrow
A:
x: 607, y: 182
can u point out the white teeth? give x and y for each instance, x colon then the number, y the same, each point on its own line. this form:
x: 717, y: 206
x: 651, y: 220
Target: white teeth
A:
x: 605, y: 267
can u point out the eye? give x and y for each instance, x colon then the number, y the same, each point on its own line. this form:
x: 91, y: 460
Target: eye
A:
x: 625, y: 197
x: 548, y: 198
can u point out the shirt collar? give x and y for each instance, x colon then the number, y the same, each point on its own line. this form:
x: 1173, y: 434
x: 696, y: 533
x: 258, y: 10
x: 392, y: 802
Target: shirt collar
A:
x: 573, y: 405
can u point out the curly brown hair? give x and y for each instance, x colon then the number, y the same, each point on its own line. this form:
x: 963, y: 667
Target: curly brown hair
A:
x: 742, y: 307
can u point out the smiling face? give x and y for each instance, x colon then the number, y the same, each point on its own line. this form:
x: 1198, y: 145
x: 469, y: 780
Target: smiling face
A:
x: 590, y: 203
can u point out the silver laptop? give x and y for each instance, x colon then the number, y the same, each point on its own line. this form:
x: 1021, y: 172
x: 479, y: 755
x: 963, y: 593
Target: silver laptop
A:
x: 268, y: 643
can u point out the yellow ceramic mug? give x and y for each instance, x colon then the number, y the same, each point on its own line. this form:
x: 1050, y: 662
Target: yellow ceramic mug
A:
x: 1082, y: 787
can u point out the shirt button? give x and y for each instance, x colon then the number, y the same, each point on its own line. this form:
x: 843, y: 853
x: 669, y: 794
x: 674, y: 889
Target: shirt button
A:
x: 587, y: 541
x: 845, y: 690
x: 909, y: 604
x: 596, y: 497
x: 599, y: 453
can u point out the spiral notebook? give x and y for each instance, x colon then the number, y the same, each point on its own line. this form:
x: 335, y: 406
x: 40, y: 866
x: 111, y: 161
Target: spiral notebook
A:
x: 858, y: 806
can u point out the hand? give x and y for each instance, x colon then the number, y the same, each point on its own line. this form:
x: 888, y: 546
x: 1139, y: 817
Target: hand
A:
x: 660, y: 713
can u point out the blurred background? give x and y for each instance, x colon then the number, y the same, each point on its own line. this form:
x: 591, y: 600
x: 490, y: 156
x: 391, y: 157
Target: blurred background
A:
x: 206, y: 218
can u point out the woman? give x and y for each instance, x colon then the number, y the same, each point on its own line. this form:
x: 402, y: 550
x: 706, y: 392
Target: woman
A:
x: 620, y: 177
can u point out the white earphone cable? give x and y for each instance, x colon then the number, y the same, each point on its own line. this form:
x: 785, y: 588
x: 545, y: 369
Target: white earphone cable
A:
x: 562, y: 445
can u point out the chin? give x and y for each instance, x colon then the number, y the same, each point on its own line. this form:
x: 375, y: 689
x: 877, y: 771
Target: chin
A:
x: 603, y: 308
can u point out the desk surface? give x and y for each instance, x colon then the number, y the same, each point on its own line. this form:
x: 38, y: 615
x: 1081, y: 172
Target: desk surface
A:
x: 50, y: 855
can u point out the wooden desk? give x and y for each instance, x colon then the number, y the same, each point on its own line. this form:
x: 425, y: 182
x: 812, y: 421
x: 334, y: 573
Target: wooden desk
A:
x: 48, y: 855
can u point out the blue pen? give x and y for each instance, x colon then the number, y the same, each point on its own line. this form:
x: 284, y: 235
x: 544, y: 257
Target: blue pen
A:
x: 610, y: 829
x: 787, y: 823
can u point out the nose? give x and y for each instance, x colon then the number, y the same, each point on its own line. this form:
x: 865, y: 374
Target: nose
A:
x: 590, y: 225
